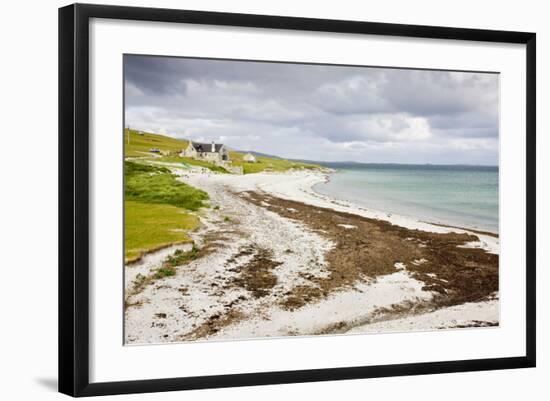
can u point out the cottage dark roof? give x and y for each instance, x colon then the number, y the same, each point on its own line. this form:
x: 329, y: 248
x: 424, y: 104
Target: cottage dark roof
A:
x: 206, y: 147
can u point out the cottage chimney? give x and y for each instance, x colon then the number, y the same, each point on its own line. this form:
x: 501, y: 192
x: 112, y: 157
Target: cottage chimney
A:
x: 213, y: 147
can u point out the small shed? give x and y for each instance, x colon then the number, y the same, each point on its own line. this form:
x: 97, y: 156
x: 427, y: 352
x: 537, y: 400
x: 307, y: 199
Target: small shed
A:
x: 249, y: 158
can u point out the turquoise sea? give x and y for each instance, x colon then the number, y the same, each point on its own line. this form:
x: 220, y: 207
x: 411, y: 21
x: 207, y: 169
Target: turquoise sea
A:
x: 465, y: 196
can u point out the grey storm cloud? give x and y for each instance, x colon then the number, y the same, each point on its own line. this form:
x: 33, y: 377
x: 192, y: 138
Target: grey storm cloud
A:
x: 318, y: 112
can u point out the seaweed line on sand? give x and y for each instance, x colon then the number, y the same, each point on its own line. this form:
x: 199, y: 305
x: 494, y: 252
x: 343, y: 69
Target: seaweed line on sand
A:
x: 457, y: 275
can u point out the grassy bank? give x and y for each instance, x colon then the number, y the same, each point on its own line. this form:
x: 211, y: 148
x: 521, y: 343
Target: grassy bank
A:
x: 152, y: 184
x: 157, y: 209
x: 138, y: 144
x: 152, y: 226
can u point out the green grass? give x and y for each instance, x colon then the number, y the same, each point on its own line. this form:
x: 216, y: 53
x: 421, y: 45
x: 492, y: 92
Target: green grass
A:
x: 150, y: 226
x: 157, y: 209
x: 140, y: 144
x: 165, y: 271
x: 152, y: 184
x: 267, y: 164
x: 180, y: 257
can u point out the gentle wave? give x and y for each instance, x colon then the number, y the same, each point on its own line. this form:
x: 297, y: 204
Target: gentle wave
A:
x: 465, y: 196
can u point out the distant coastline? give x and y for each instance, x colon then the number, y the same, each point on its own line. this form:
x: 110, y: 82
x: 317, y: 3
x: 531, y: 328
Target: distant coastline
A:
x: 337, y: 164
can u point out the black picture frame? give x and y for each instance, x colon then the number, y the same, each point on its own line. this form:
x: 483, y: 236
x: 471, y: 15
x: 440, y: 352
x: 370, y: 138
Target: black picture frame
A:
x: 74, y: 198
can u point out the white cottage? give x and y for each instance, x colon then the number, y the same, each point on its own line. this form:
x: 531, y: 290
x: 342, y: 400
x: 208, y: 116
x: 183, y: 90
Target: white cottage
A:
x: 213, y: 152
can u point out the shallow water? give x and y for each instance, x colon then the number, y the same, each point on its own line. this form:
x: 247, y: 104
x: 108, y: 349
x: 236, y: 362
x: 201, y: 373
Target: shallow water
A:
x: 465, y: 196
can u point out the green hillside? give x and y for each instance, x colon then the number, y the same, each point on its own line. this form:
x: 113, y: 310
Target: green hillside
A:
x: 139, y: 144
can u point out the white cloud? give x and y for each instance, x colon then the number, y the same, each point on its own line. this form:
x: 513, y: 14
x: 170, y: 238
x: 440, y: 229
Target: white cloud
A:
x: 393, y: 127
x: 318, y: 112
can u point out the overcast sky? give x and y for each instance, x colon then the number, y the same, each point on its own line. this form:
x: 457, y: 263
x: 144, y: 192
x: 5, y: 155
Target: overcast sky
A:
x: 318, y: 112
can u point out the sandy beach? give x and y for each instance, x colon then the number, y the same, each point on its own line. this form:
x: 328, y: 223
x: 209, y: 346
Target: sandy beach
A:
x: 278, y: 259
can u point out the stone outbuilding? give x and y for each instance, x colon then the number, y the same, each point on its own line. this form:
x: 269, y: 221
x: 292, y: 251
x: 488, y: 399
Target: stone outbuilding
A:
x: 250, y: 158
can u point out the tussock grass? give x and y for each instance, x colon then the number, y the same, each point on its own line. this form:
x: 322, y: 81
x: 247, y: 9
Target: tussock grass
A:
x: 152, y: 184
x: 180, y: 257
x: 168, y: 269
x: 165, y: 271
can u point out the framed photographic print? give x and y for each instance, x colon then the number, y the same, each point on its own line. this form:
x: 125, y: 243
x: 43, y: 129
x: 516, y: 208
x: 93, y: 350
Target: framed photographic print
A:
x: 250, y: 199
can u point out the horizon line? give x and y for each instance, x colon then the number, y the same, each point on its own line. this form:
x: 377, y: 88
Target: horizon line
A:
x: 173, y: 136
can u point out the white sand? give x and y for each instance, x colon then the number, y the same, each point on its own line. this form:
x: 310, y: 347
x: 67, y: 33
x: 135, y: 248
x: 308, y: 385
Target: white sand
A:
x: 173, y: 307
x: 346, y: 307
x: 298, y: 186
x: 149, y: 262
x: 467, y: 314
x: 195, y: 293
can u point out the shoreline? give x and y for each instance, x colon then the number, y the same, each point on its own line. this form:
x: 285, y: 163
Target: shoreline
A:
x: 400, y: 216
x: 444, y: 222
x: 282, y: 260
x: 302, y: 190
